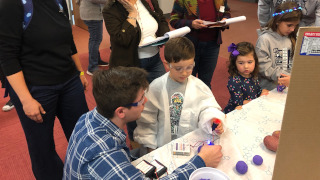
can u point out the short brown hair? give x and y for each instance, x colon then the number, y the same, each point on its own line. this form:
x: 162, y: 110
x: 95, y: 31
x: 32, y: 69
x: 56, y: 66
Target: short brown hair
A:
x: 177, y: 49
x: 244, y: 48
x: 117, y: 87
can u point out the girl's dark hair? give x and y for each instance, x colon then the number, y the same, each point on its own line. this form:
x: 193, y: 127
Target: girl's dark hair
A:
x: 244, y: 49
x: 295, y: 15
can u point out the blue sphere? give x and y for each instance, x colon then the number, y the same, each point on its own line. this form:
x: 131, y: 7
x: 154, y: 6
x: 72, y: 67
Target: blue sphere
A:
x: 257, y: 160
x: 241, y: 167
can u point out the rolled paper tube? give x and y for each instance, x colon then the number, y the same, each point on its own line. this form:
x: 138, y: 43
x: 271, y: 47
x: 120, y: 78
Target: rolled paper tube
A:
x: 235, y: 19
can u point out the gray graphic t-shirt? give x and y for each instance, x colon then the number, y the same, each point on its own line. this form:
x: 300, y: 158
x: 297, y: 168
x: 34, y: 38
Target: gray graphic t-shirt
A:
x: 283, y: 58
x: 176, y: 92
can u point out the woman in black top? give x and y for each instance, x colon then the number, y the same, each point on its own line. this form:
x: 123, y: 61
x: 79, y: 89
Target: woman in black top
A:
x: 43, y: 69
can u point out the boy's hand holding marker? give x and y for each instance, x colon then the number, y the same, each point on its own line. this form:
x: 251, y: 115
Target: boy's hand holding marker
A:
x: 217, y: 126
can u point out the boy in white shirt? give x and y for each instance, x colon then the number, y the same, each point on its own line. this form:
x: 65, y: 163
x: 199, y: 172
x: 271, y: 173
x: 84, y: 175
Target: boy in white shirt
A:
x: 178, y: 102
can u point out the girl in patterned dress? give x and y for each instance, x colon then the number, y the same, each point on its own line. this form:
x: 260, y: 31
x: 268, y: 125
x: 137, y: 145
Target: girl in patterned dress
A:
x: 243, y: 82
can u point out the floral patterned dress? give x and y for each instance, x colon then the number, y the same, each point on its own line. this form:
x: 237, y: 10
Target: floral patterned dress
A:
x: 240, y: 89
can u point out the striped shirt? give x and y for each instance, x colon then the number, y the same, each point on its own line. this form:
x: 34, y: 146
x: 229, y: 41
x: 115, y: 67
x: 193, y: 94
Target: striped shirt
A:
x: 97, y: 150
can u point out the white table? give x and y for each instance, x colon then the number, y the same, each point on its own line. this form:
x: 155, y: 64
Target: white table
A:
x: 243, y: 139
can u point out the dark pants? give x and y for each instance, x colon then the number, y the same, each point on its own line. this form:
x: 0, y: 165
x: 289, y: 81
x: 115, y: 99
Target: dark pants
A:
x: 2, y: 78
x: 206, y: 59
x: 154, y: 66
x: 95, y: 28
x: 67, y: 102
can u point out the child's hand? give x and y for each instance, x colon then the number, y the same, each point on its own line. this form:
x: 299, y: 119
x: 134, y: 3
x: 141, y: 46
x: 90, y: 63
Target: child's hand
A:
x: 264, y: 92
x: 238, y: 107
x: 284, y: 80
x: 219, y: 128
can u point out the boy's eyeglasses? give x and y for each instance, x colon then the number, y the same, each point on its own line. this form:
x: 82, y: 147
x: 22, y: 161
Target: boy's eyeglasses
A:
x: 181, y: 69
x: 137, y: 103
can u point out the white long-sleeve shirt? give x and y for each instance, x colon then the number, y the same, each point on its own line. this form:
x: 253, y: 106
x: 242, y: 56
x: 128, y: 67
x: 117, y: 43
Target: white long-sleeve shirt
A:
x: 199, y: 107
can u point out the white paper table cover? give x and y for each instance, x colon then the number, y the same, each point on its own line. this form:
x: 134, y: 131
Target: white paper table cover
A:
x: 243, y: 139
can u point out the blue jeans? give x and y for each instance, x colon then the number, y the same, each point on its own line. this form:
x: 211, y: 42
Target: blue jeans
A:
x: 67, y: 102
x: 206, y: 60
x: 153, y: 66
x: 95, y: 28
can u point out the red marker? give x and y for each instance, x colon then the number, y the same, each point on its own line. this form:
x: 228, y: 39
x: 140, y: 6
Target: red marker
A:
x: 215, y: 124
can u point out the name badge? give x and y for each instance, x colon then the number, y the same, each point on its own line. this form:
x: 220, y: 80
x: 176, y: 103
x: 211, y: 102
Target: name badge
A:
x: 221, y: 9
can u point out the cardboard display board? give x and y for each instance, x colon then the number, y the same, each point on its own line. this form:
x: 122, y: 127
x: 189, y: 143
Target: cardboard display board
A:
x: 298, y: 155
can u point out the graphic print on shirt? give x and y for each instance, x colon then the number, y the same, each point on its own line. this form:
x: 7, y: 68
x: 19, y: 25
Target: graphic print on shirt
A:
x: 175, y: 111
x: 282, y: 58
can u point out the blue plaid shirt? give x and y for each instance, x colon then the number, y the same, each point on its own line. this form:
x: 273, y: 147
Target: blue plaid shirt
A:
x: 97, y: 150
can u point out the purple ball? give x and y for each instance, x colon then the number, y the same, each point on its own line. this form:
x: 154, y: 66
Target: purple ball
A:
x: 208, y: 142
x: 257, y: 160
x: 280, y: 88
x: 241, y: 167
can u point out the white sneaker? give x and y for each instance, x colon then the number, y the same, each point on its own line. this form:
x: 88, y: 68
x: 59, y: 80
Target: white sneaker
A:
x: 102, y: 63
x: 8, y: 106
x: 89, y: 73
